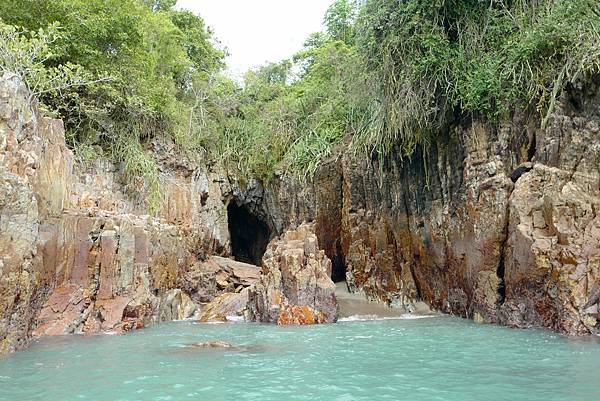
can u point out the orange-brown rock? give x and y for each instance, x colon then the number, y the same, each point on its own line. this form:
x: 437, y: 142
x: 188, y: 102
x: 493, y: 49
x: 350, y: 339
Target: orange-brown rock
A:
x: 295, y: 286
x: 299, y: 315
x: 79, y: 252
x: 494, y: 221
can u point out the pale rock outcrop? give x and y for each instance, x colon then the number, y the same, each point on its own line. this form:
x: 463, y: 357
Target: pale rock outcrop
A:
x: 552, y: 259
x: 226, y: 306
x: 176, y: 305
x: 216, y: 276
x: 229, y: 282
x: 295, y: 287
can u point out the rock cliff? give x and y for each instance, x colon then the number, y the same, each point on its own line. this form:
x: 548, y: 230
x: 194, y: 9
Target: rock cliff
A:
x: 496, y: 222
x: 79, y: 253
x: 296, y: 286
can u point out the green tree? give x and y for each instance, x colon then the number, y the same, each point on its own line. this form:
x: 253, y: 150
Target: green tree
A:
x: 146, y: 58
x: 339, y: 20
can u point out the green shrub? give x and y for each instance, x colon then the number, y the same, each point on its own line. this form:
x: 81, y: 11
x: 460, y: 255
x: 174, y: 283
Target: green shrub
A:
x: 432, y: 60
x: 146, y: 60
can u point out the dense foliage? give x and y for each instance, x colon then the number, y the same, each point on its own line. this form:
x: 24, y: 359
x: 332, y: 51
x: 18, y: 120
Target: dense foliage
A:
x: 434, y: 60
x: 133, y: 67
x: 385, y: 74
x: 290, y: 114
x: 391, y: 74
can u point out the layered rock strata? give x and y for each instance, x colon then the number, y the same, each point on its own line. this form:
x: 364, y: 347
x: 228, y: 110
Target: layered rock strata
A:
x: 494, y: 222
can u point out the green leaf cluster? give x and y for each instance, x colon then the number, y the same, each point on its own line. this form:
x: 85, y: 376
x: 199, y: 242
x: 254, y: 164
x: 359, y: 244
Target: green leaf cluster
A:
x: 434, y: 62
x: 148, y: 62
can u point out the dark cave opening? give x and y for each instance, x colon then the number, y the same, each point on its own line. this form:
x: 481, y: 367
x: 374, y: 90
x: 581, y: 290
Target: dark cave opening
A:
x: 338, y: 268
x: 249, y: 235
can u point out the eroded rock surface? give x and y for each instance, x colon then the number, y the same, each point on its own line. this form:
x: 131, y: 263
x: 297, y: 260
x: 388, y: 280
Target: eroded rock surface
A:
x: 493, y: 222
x: 79, y: 252
x: 226, y: 306
x: 499, y: 223
x: 295, y: 287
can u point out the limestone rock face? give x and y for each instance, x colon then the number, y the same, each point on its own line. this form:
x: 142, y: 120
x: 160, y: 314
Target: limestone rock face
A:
x: 117, y: 271
x: 295, y: 287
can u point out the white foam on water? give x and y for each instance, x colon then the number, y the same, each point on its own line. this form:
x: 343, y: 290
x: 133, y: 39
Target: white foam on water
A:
x: 235, y: 319
x: 364, y: 318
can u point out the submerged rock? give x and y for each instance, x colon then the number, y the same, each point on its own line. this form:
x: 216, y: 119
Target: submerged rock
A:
x: 226, y: 346
x: 213, y: 344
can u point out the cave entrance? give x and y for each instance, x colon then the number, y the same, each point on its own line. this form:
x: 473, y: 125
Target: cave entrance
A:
x: 338, y: 268
x: 249, y: 235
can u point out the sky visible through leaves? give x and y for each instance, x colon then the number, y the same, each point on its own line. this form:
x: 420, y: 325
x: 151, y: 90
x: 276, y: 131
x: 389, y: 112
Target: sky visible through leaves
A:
x: 259, y: 31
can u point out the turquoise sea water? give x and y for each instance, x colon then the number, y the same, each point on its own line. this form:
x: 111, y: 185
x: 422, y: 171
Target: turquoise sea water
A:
x: 439, y: 358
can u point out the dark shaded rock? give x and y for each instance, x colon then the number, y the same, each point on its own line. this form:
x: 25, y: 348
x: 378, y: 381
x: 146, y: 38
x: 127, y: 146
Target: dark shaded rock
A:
x: 519, y: 171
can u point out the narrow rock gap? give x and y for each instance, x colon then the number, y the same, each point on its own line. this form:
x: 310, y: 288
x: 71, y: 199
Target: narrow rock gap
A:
x: 500, y: 274
x: 532, y: 148
x: 500, y: 270
x: 412, y: 263
x: 249, y: 234
x: 515, y: 176
x: 330, y: 199
x: 338, y: 267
